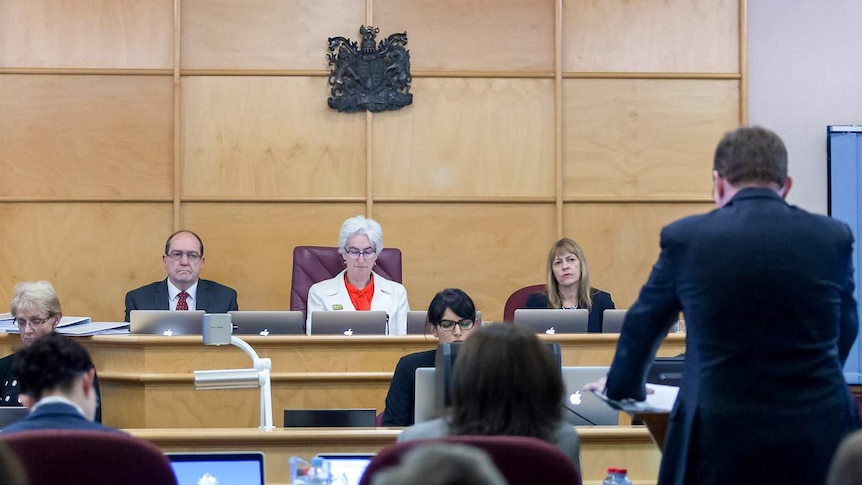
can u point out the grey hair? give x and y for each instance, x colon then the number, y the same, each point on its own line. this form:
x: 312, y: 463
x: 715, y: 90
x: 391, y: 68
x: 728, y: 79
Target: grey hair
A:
x: 36, y: 297
x: 361, y: 225
x: 442, y: 464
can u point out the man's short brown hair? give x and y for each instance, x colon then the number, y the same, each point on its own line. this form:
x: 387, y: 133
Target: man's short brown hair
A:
x: 751, y: 154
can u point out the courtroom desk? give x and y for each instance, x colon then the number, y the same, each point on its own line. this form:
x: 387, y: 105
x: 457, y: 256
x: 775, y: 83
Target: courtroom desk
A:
x: 601, y: 447
x: 150, y: 400
x: 153, y: 354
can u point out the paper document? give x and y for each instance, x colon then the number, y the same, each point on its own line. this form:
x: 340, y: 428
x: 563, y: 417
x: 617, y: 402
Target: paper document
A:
x: 660, y: 401
x: 96, y: 328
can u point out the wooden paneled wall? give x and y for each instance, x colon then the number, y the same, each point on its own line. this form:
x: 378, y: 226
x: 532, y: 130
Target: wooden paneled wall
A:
x: 123, y: 120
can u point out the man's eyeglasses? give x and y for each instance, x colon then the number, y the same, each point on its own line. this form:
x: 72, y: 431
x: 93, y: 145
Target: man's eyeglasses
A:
x: 34, y: 322
x: 465, y: 324
x: 354, y: 253
x: 178, y: 255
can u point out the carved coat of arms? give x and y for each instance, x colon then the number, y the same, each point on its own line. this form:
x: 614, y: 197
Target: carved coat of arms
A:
x: 371, y: 77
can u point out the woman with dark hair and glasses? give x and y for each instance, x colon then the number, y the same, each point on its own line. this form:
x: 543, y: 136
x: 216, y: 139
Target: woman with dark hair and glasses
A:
x: 36, y: 310
x: 505, y: 382
x: 451, y: 318
x: 358, y: 287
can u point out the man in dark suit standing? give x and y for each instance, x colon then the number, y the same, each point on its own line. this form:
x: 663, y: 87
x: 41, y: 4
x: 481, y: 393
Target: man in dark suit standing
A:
x: 183, y: 289
x: 57, y: 384
x: 767, y: 293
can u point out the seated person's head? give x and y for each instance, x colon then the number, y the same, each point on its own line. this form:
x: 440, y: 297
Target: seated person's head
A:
x: 506, y: 382
x: 846, y: 468
x: 566, y: 268
x: 183, y: 258
x: 54, y: 365
x: 359, y: 242
x: 36, y: 309
x: 442, y: 464
x: 451, y: 316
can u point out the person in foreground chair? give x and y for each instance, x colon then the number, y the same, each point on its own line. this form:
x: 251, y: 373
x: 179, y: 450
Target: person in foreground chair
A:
x: 442, y: 464
x: 358, y: 287
x: 451, y: 317
x: 183, y: 289
x: 846, y: 468
x: 505, y: 382
x: 767, y: 293
x: 37, y: 312
x: 56, y: 377
x: 568, y: 284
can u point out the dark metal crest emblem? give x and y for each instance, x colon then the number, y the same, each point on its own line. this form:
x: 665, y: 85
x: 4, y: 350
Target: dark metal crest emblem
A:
x: 371, y: 77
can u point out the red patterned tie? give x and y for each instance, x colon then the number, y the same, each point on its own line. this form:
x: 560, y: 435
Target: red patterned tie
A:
x: 182, y: 304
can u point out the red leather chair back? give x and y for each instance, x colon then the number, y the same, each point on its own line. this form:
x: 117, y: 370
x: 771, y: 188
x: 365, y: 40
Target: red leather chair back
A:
x: 521, y: 460
x: 84, y: 457
x: 518, y: 299
x: 312, y: 264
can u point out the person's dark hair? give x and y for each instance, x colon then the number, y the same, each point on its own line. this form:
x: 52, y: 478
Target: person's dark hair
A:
x: 505, y: 382
x: 751, y: 154
x: 50, y: 362
x: 168, y: 241
x: 454, y: 299
x: 442, y: 464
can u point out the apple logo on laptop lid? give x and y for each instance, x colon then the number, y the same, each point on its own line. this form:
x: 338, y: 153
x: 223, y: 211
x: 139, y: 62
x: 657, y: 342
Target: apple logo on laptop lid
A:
x: 348, y: 332
x: 551, y: 331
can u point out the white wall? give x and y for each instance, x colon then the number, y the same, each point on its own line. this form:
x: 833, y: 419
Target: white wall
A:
x: 805, y: 72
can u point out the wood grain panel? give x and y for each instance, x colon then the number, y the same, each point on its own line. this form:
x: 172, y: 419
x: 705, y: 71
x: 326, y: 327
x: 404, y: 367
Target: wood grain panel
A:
x: 93, y: 253
x: 468, y: 137
x: 487, y: 250
x: 265, y: 34
x: 480, y: 35
x: 644, y: 138
x: 621, y: 241
x: 249, y: 247
x: 650, y: 36
x: 268, y: 137
x: 86, y: 136
x: 87, y: 33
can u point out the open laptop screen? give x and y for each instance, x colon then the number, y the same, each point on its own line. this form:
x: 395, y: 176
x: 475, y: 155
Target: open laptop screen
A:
x: 235, y: 468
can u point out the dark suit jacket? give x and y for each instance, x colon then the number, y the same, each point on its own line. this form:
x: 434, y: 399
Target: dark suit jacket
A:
x: 400, y: 405
x: 55, y: 416
x: 211, y: 297
x: 601, y: 301
x: 767, y: 293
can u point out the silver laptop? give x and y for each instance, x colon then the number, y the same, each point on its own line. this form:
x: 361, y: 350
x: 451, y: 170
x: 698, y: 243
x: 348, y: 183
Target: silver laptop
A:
x: 553, y: 321
x: 265, y: 323
x: 416, y: 321
x: 166, y: 322
x: 583, y: 408
x: 612, y: 320
x: 424, y: 399
x: 349, y: 323
x: 349, y: 466
x: 239, y: 468
x: 11, y: 414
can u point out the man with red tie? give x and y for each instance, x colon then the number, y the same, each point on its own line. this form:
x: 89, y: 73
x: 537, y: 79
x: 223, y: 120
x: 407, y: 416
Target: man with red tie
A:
x: 183, y: 289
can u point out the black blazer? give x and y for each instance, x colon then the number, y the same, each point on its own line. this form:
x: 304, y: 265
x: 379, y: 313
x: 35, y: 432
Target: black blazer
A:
x: 400, y: 407
x: 767, y: 293
x: 601, y: 302
x: 211, y: 297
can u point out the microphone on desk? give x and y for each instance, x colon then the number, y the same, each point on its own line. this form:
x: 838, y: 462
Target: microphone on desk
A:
x: 572, y: 410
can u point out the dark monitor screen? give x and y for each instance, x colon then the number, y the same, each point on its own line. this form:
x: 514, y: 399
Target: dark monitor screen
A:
x: 329, y: 418
x: 666, y: 371
x: 446, y: 355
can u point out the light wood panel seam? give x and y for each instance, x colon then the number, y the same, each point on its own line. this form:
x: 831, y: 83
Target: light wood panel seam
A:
x: 654, y: 75
x: 78, y: 71
x: 743, y: 62
x: 53, y: 200
x: 558, y: 117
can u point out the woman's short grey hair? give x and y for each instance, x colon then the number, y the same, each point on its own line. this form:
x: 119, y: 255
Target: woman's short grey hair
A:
x: 442, y: 464
x: 361, y: 225
x: 38, y: 297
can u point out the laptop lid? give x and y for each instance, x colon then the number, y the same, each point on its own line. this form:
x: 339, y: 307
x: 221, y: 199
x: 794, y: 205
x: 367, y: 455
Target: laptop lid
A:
x: 236, y: 468
x: 11, y: 414
x: 265, y: 323
x: 349, y: 466
x: 349, y: 323
x: 424, y: 398
x: 552, y: 321
x: 166, y: 322
x: 584, y: 408
x: 612, y: 320
x: 330, y: 418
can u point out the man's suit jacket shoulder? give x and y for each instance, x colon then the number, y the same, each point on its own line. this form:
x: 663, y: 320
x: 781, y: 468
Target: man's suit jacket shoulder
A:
x: 211, y: 297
